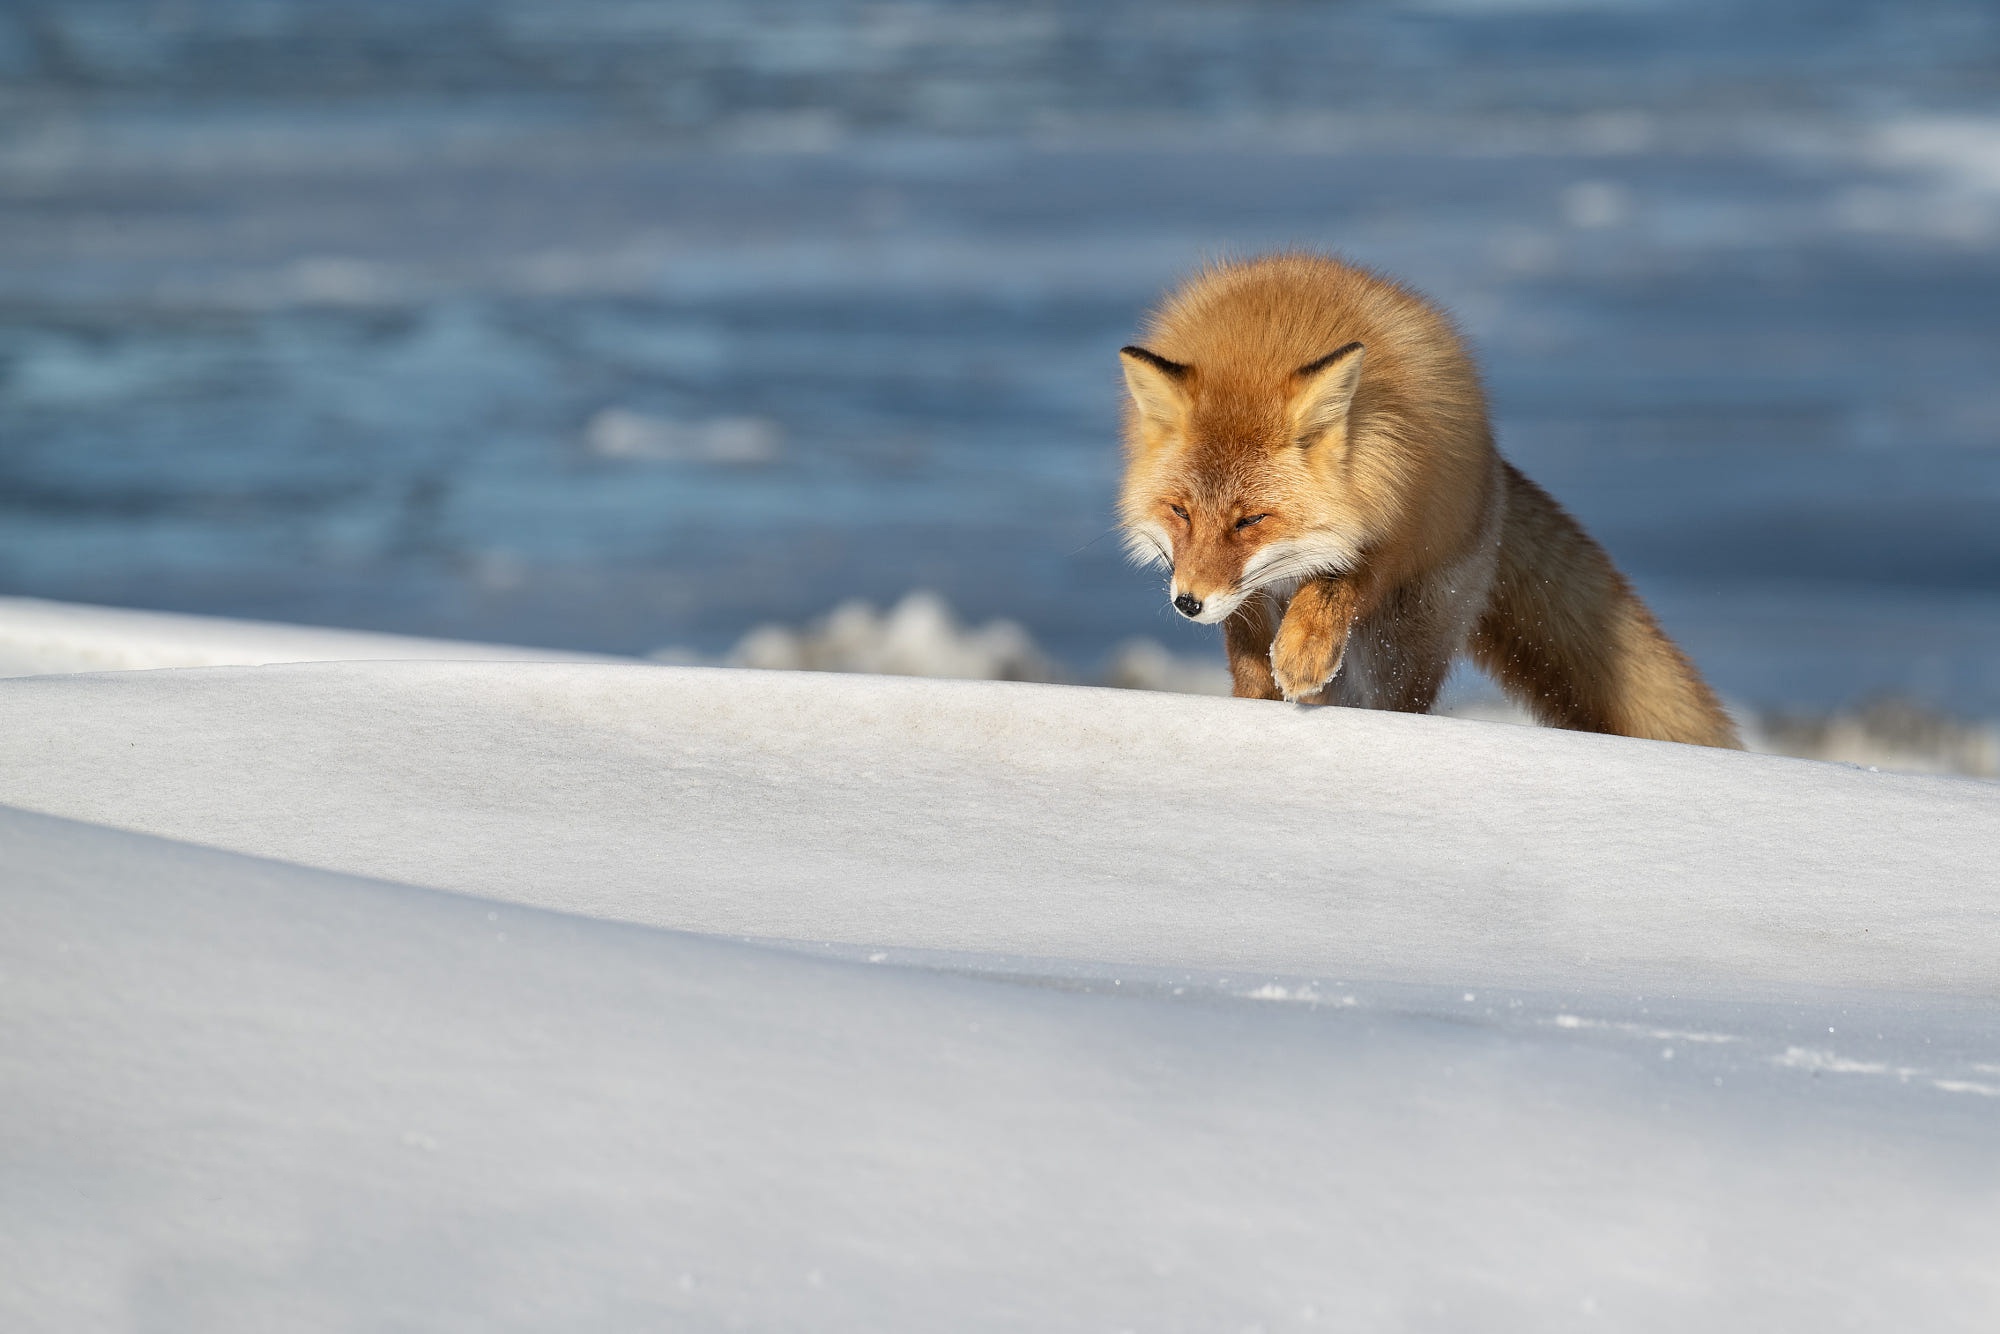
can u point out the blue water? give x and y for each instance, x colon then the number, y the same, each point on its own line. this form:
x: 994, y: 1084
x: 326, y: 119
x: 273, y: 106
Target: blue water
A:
x: 454, y: 318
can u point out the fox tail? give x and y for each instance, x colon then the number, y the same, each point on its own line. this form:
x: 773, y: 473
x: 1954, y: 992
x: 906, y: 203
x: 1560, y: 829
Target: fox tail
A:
x: 1565, y: 636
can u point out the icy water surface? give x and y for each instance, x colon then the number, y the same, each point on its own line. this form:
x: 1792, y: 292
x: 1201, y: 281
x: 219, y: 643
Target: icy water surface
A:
x: 614, y: 326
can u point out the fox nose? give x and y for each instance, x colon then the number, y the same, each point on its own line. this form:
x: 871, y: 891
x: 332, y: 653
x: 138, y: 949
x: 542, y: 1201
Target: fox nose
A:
x: 1187, y: 604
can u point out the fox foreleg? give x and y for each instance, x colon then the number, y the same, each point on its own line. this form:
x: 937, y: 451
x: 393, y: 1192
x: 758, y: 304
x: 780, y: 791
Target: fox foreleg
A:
x: 1312, y: 639
x: 1246, y: 636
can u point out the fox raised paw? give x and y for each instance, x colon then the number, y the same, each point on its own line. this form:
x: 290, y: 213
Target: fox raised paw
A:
x: 1304, y: 658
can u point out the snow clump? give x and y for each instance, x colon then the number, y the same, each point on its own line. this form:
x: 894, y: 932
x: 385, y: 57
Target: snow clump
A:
x: 919, y: 636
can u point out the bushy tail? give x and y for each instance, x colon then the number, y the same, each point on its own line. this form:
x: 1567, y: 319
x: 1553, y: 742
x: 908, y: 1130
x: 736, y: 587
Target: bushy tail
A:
x: 1566, y: 636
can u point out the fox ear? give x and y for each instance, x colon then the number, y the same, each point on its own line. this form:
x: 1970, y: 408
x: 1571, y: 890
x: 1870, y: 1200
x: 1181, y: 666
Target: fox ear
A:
x: 1159, y: 386
x: 1325, y: 392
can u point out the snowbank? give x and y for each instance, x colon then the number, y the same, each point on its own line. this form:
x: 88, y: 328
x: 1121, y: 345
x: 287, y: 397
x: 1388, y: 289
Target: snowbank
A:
x: 246, y: 1096
x: 919, y: 636
x: 39, y: 637
x: 1041, y: 820
x: 1062, y: 1008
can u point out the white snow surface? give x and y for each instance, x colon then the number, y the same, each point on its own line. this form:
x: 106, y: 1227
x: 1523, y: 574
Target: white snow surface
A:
x: 1078, y: 823
x: 787, y: 1000
x: 38, y: 636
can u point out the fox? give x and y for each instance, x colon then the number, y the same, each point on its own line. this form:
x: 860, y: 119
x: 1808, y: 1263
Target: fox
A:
x: 1309, y: 456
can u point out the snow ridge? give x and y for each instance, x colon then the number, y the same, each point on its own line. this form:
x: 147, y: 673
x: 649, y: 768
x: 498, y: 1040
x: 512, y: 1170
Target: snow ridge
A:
x: 1061, y: 1008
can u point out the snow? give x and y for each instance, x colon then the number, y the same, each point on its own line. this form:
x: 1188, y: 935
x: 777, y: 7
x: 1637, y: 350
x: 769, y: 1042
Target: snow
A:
x: 919, y: 636
x: 38, y: 636
x: 597, y: 995
x: 260, y: 1097
x: 1036, y: 819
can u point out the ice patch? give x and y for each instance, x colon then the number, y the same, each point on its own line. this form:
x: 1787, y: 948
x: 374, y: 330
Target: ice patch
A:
x: 1963, y: 149
x: 620, y: 433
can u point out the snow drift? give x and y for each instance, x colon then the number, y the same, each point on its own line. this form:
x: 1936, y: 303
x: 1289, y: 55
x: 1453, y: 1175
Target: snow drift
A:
x: 1060, y: 1008
x: 247, y: 1096
x: 38, y: 636
x: 1034, y: 819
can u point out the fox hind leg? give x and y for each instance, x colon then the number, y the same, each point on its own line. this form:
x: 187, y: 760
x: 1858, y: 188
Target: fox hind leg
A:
x: 1397, y: 658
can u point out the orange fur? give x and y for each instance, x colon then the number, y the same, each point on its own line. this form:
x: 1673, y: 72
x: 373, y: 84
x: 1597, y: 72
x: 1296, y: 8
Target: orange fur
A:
x: 1307, y: 450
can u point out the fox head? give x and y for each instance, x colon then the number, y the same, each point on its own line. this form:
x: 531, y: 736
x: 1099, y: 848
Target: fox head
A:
x: 1235, y: 483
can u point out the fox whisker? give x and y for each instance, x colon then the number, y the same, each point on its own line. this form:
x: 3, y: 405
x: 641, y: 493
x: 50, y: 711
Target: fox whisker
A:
x: 1299, y: 565
x: 1145, y: 548
x: 1093, y: 541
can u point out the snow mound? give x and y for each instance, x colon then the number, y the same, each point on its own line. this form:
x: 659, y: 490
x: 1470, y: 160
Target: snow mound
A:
x: 1047, y: 1007
x: 1039, y: 820
x: 239, y: 1095
x: 920, y: 636
x: 38, y: 637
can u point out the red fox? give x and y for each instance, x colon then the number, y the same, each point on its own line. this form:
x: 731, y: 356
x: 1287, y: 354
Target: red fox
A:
x: 1308, y: 455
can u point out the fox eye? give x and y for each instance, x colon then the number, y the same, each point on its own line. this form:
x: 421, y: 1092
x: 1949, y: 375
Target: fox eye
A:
x: 1249, y: 519
x: 1178, y: 510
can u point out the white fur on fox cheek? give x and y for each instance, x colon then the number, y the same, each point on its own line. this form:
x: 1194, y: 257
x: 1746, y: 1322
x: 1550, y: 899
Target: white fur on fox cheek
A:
x: 1265, y: 558
x: 1148, y: 544
x: 1299, y: 558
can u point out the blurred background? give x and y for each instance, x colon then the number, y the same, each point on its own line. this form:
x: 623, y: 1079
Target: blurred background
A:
x: 631, y: 327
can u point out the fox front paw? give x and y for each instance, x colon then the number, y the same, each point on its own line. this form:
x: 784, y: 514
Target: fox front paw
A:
x: 1302, y: 664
